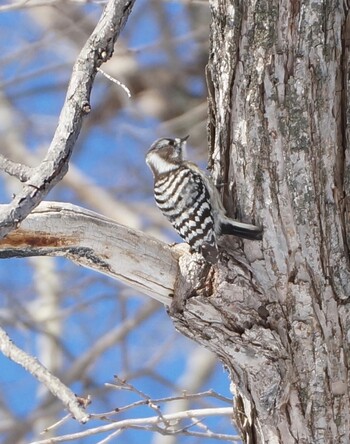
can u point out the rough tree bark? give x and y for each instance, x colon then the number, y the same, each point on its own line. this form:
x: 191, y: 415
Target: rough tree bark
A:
x: 277, y: 312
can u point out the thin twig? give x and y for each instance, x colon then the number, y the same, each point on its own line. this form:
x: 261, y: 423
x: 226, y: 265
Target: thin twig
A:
x: 145, y: 422
x: 117, y: 82
x: 146, y: 398
x: 55, y: 425
x: 111, y: 436
x: 141, y: 402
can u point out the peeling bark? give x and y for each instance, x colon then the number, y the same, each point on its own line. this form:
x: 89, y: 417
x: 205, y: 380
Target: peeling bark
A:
x: 278, y: 312
x: 96, y: 242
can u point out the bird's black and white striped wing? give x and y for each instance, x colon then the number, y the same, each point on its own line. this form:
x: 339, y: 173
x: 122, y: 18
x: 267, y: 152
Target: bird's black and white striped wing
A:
x: 184, y: 199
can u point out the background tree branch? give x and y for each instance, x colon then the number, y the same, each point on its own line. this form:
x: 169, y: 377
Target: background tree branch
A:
x: 81, y: 325
x: 35, y: 368
x: 97, y: 50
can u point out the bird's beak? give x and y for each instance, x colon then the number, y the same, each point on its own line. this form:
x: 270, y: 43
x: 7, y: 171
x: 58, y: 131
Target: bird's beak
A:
x: 184, y: 139
x: 180, y: 142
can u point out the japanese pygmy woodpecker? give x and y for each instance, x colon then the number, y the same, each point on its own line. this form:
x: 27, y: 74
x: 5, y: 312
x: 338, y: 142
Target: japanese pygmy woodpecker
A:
x: 190, y: 201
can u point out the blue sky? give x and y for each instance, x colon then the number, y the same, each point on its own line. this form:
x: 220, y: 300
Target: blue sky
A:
x: 34, y: 82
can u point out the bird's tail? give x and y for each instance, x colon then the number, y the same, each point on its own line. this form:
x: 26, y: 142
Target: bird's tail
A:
x: 240, y: 229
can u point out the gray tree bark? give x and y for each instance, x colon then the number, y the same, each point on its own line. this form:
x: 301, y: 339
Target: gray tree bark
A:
x: 277, y: 312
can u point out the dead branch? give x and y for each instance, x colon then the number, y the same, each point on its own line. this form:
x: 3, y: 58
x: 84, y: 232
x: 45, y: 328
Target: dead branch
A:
x: 97, y: 50
x: 99, y: 243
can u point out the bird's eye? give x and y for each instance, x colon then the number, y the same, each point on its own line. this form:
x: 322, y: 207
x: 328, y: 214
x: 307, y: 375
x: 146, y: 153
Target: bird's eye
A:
x: 160, y: 144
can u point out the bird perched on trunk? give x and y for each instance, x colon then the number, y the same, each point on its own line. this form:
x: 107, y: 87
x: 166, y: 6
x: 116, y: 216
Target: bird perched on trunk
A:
x: 189, y: 200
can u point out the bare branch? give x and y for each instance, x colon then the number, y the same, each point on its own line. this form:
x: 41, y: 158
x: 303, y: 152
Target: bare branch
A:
x: 154, y: 421
x: 154, y: 406
x: 34, y: 367
x: 116, y: 81
x: 170, y: 399
x: 93, y: 241
x: 97, y: 50
x: 86, y: 359
x: 22, y: 172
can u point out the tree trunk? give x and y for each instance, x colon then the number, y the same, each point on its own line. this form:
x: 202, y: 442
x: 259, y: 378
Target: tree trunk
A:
x: 277, y: 312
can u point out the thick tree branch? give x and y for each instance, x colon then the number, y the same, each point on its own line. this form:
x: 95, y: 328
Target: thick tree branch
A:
x: 97, y: 50
x: 93, y: 241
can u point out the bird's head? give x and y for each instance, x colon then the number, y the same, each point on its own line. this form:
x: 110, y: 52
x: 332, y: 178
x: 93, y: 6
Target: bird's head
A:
x: 166, y: 155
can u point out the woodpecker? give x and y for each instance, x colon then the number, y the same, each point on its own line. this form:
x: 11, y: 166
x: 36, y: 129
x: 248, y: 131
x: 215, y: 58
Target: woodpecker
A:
x: 190, y: 201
